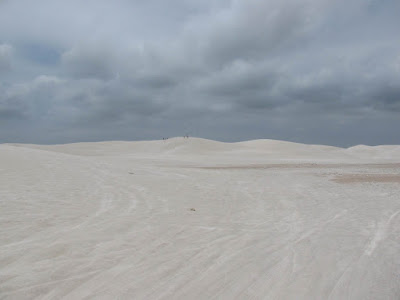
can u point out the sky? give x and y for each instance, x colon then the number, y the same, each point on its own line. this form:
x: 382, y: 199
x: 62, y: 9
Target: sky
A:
x: 309, y: 71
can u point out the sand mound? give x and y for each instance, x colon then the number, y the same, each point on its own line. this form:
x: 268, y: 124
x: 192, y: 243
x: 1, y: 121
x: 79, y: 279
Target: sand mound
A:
x: 375, y: 152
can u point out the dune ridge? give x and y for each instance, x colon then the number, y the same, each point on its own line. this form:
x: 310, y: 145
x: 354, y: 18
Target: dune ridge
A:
x: 198, y: 146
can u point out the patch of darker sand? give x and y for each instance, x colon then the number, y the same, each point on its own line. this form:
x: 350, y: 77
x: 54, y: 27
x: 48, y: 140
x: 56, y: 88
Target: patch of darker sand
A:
x: 360, y: 178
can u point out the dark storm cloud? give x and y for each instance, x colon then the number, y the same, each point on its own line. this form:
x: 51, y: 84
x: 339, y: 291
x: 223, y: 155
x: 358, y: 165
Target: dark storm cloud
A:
x: 11, y: 108
x: 229, y: 70
x: 386, y: 97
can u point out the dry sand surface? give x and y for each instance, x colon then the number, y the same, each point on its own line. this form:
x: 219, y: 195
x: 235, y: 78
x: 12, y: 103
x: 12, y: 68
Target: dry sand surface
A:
x: 199, y: 219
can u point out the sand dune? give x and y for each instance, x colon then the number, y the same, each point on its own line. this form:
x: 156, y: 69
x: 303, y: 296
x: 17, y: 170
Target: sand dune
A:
x: 199, y: 219
x: 263, y: 149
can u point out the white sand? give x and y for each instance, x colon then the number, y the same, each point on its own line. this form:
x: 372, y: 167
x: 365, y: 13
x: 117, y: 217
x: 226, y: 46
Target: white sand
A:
x: 270, y: 220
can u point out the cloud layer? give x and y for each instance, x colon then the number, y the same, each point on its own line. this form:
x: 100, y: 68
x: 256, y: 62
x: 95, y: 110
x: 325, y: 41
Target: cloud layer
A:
x: 307, y: 71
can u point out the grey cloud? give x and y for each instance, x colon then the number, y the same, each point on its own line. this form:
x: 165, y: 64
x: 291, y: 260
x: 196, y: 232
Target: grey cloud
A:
x: 5, y: 57
x: 253, y: 29
x: 115, y: 102
x: 11, y: 108
x: 238, y: 78
x: 85, y: 101
x: 386, y: 97
x: 89, y: 61
x: 228, y: 70
x: 156, y: 81
x: 33, y: 99
x: 40, y: 53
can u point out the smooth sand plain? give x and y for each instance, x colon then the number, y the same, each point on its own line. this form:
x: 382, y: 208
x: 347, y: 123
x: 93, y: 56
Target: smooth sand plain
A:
x: 199, y: 219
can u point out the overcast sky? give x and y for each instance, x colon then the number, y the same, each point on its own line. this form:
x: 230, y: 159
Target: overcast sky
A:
x: 311, y: 71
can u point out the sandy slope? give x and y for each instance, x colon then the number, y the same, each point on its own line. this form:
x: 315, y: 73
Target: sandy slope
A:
x: 271, y: 220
